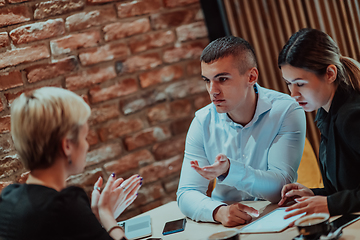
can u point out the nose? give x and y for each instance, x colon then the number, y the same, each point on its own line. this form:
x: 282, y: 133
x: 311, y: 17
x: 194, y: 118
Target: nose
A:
x: 294, y: 93
x: 213, y: 88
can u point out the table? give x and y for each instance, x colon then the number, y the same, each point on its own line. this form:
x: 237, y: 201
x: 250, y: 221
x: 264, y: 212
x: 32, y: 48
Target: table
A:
x: 200, y: 230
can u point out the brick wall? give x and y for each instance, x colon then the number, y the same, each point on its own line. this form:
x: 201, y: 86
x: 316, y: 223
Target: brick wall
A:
x: 135, y: 62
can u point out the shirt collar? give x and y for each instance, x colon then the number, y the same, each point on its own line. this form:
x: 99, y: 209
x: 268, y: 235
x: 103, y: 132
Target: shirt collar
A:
x: 263, y: 105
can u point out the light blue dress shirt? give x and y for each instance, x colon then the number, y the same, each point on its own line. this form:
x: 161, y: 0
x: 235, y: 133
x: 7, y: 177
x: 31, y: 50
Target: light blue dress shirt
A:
x: 264, y: 155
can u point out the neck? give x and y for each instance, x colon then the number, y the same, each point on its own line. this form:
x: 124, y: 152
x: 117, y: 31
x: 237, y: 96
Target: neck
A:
x: 244, y: 115
x: 52, y: 177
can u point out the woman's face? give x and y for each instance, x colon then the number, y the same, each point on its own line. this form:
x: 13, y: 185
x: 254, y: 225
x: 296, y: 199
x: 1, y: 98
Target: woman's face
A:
x: 79, y: 151
x: 308, y: 89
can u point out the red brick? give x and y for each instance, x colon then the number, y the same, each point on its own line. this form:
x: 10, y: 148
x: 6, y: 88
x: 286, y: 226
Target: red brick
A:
x: 199, y: 15
x: 119, y: 128
x: 18, y: 1
x: 119, y: 30
x: 14, y: 15
x: 46, y: 71
x: 201, y: 101
x: 9, y: 165
x: 87, y: 178
x: 10, y: 80
x: 149, y: 194
x: 5, y: 124
x: 4, y: 185
x: 169, y: 148
x: 159, y: 113
x: 178, y: 3
x: 185, y: 88
x: 129, y: 162
x: 23, y: 55
x: 92, y: 137
x: 193, y: 68
x: 171, y: 186
x: 1, y: 108
x: 103, y: 113
x: 188, y: 51
x: 180, y: 126
x: 142, y: 62
x: 57, y: 7
x: 6, y: 143
x: 165, y: 74
x: 23, y: 177
x: 122, y: 88
x: 4, y: 39
x: 99, y: 1
x: 103, y: 153
x: 146, y: 137
x: 90, y: 77
x: 75, y: 41
x: 2, y: 3
x: 172, y: 19
x: 85, y: 20
x: 180, y: 108
x: 133, y: 104
x: 38, y: 31
x: 150, y: 41
x: 164, y: 112
x: 135, y: 8
x: 151, y: 205
x: 161, y: 169
x: 11, y: 96
x: 191, y: 31
x: 104, y: 53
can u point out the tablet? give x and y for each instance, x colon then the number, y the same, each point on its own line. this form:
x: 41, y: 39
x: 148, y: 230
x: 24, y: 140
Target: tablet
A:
x: 271, y: 222
x: 137, y: 227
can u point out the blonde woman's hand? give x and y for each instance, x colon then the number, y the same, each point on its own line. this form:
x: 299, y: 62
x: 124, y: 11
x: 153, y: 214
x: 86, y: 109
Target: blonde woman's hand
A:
x: 95, y: 196
x: 130, y: 188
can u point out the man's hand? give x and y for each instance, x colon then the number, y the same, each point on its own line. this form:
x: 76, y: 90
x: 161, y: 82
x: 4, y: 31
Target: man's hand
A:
x: 292, y: 191
x: 234, y: 214
x: 220, y: 167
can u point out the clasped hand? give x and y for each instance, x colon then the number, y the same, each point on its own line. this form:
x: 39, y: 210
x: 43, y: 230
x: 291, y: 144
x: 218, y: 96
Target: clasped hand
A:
x: 221, y: 166
x: 116, y: 196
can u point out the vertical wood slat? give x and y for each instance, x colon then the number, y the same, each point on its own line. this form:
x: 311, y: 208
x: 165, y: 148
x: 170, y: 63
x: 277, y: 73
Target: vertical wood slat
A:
x: 267, y: 25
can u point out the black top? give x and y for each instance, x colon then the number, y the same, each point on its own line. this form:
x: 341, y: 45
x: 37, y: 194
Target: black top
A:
x: 340, y: 152
x: 37, y: 212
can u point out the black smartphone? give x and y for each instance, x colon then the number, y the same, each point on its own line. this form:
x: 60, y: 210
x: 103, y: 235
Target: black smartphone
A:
x: 344, y: 220
x: 174, y: 226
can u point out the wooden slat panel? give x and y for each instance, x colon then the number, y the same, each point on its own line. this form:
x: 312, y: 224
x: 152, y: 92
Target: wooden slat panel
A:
x: 267, y: 25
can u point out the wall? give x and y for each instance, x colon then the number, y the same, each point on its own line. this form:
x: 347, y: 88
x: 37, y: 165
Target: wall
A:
x: 135, y: 62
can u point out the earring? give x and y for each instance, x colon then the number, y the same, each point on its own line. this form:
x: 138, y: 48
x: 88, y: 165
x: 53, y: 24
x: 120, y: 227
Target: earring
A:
x: 69, y: 160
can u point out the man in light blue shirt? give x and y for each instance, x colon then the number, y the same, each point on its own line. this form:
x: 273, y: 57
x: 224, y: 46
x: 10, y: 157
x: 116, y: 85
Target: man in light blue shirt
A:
x: 249, y: 138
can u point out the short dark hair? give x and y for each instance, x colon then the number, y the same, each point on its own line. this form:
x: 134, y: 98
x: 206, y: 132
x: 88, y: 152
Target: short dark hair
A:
x: 230, y: 46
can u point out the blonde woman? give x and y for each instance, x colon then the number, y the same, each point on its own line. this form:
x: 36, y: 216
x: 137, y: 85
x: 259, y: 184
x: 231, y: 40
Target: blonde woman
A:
x: 321, y: 79
x: 49, y: 129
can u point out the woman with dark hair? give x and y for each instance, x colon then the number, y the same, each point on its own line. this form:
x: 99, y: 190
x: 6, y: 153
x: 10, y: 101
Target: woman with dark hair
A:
x: 49, y: 129
x: 321, y: 79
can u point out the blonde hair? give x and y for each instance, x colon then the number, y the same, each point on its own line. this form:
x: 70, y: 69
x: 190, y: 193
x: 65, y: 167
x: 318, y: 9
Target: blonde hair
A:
x: 314, y: 50
x: 40, y: 119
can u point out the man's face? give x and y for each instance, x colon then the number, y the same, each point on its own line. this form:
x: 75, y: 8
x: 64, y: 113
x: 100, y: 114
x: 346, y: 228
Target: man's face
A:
x: 228, y: 90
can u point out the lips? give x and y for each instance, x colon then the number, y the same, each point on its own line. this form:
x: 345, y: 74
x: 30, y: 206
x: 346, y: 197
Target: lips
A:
x: 302, y: 103
x: 218, y: 101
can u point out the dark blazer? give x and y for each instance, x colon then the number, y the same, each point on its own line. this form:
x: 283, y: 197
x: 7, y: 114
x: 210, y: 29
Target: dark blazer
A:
x: 340, y: 152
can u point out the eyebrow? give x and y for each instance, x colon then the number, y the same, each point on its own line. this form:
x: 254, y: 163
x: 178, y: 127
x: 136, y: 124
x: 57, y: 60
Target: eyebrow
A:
x: 293, y: 80
x: 217, y: 75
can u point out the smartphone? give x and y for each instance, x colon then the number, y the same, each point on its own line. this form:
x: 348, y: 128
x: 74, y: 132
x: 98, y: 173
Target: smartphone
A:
x: 344, y: 220
x: 174, y: 226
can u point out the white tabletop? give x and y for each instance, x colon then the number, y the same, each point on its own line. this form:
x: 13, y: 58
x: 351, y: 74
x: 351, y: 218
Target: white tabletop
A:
x: 200, y: 230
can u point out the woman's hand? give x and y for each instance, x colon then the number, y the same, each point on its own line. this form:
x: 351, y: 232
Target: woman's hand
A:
x: 292, y: 191
x: 95, y: 195
x: 130, y: 188
x: 310, y: 205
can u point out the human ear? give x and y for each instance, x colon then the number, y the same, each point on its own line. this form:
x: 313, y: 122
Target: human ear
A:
x: 66, y: 146
x: 253, y: 75
x: 331, y: 73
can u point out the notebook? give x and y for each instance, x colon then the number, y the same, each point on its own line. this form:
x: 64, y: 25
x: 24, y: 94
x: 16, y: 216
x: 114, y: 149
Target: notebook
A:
x: 138, y: 227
